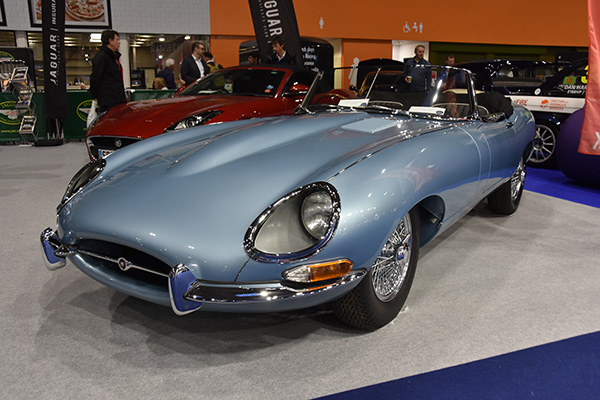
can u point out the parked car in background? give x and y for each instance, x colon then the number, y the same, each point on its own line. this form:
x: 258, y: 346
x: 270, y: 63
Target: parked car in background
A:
x: 226, y: 95
x: 552, y: 102
x: 509, y: 75
x: 329, y: 206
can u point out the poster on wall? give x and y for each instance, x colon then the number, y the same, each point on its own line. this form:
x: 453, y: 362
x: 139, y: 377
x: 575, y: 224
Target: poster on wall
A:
x: 2, y: 14
x: 93, y: 14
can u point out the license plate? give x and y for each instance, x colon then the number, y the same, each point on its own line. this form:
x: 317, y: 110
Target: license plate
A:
x: 105, y: 153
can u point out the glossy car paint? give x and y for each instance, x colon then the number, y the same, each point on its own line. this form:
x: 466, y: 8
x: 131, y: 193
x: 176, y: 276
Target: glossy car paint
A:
x: 147, y: 118
x: 196, y: 192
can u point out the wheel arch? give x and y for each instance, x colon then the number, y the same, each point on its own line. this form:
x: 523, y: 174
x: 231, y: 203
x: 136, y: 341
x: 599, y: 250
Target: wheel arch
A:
x: 431, y: 215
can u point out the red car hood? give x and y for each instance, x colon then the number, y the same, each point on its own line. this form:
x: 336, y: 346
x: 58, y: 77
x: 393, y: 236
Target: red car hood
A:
x: 148, y: 118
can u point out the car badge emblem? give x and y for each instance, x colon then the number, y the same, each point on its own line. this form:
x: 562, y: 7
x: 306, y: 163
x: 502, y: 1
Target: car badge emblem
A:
x: 124, y: 265
x: 118, y: 143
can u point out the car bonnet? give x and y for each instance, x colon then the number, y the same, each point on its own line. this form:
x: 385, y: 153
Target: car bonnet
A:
x: 149, y: 118
x: 192, y: 201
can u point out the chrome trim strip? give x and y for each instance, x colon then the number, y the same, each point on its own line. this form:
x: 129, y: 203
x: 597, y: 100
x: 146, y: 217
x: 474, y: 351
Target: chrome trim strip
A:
x: 247, y: 293
x: 123, y: 264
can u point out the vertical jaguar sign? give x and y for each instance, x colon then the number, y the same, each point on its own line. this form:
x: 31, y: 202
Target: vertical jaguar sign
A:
x: 590, y: 132
x: 276, y: 18
x: 55, y: 77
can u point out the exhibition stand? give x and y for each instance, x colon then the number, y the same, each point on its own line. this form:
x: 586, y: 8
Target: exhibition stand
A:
x: 73, y: 126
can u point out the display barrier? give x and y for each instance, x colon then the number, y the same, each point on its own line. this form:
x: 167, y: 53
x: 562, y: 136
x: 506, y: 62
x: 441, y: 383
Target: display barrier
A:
x: 74, y: 125
x: 11, y: 116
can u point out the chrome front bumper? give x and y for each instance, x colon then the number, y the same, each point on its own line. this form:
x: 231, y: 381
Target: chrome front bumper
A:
x: 187, y: 293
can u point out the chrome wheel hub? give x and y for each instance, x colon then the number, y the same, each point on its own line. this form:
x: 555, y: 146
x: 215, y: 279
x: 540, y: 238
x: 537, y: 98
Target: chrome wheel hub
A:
x: 543, y: 145
x: 391, y: 266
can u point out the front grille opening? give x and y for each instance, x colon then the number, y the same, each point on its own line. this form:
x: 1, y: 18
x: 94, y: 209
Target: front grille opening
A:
x: 108, y: 143
x: 115, y: 251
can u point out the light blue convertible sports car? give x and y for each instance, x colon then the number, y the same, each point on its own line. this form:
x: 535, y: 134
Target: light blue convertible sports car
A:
x: 328, y: 206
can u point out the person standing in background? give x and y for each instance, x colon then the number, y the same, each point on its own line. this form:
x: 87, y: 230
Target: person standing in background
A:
x: 106, y: 80
x: 167, y: 74
x: 253, y: 58
x: 417, y: 71
x: 210, y: 61
x: 194, y: 67
x: 280, y: 55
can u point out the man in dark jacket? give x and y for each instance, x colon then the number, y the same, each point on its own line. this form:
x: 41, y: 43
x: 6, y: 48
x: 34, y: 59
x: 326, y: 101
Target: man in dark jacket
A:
x: 106, y: 80
x: 194, y: 66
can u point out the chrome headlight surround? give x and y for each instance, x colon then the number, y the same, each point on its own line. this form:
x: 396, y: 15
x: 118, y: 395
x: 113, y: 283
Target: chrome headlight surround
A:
x: 194, y: 120
x: 295, y: 227
x: 81, y: 179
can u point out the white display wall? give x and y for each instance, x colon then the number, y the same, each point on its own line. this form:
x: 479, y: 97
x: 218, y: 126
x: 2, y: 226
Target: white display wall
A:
x: 133, y: 16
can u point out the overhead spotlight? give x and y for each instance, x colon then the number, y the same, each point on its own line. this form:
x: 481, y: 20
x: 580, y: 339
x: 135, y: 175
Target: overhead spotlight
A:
x: 161, y: 39
x: 187, y: 37
x: 160, y: 57
x: 95, y: 37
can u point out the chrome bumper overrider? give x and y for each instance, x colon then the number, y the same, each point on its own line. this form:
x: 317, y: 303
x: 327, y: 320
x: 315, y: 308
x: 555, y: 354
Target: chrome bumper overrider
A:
x: 187, y: 293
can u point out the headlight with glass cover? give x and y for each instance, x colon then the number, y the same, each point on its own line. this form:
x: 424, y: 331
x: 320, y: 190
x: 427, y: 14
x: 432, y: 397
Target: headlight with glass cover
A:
x: 194, y: 120
x: 81, y: 179
x: 297, y: 226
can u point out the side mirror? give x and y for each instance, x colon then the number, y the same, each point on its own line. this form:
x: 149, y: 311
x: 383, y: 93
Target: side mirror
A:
x: 297, y: 89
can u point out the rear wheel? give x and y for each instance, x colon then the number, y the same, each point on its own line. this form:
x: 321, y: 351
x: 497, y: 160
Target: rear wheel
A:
x: 379, y: 297
x: 544, y: 145
x: 505, y: 200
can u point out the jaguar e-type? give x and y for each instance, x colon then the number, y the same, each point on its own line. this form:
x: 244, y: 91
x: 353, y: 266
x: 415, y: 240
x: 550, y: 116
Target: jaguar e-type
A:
x: 328, y: 206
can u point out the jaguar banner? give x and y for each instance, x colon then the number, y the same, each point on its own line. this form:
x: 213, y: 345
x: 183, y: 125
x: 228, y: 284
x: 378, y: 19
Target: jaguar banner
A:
x: 590, y: 132
x: 273, y: 18
x: 55, y: 76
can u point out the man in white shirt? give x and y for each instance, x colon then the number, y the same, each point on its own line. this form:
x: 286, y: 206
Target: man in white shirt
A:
x: 194, y: 67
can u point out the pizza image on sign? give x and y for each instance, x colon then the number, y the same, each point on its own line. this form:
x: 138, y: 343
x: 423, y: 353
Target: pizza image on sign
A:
x: 85, y: 9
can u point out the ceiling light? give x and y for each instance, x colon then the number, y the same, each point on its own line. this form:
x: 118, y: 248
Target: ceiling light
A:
x: 187, y: 37
x: 161, y: 39
x: 95, y: 37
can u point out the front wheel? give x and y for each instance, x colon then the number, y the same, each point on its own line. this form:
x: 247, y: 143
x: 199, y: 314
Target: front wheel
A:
x: 379, y: 297
x: 505, y: 200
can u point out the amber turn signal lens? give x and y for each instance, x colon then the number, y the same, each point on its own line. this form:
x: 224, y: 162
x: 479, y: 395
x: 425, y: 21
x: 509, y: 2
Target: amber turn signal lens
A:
x: 329, y: 270
x: 319, y: 272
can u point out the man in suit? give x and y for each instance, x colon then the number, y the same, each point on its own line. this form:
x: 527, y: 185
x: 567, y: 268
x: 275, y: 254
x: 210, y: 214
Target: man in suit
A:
x: 280, y: 55
x: 194, y: 66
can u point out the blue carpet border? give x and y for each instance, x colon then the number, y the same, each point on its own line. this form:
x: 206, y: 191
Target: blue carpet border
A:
x: 554, y: 183
x: 567, y: 369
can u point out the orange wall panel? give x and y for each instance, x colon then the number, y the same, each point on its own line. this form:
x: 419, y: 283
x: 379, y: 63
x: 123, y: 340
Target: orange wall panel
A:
x: 225, y: 49
x: 518, y: 22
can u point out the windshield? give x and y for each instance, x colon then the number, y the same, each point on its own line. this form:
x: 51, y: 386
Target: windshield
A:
x: 429, y: 91
x: 238, y: 82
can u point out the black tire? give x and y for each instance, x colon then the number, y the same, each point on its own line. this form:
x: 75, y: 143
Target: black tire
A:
x: 544, y: 147
x: 377, y: 300
x: 505, y: 200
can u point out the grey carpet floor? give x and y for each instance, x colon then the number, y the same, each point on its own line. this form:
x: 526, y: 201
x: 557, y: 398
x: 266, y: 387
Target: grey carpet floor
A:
x: 489, y: 286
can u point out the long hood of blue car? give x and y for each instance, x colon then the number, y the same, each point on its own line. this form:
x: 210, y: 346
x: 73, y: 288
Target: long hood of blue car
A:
x: 189, y: 197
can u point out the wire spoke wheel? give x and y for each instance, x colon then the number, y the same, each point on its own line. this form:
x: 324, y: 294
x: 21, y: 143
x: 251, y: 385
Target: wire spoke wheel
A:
x: 381, y: 294
x: 391, y: 266
x: 517, y: 181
